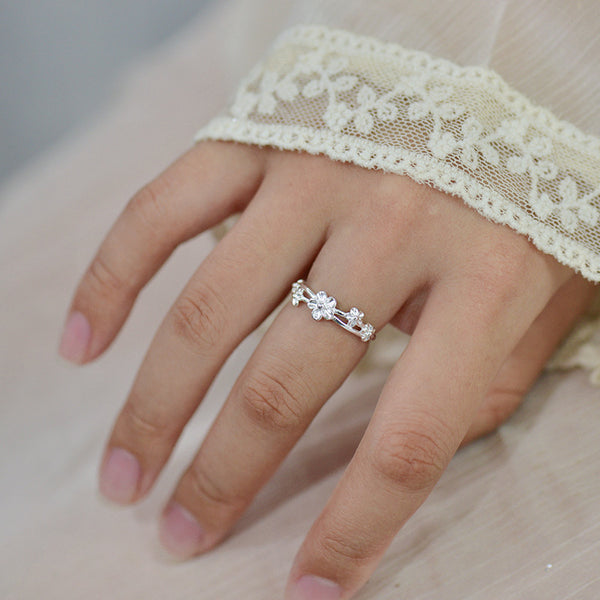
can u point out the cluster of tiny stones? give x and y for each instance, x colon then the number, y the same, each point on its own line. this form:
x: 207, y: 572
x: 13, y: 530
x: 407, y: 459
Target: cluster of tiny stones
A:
x: 325, y: 307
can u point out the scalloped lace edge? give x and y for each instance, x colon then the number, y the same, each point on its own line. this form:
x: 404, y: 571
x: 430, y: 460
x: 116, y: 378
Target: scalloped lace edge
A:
x: 419, y: 167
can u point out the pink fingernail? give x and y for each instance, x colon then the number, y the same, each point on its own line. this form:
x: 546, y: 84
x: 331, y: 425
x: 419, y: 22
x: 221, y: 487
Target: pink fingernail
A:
x: 180, y: 533
x: 119, y: 476
x: 75, y: 338
x: 311, y: 587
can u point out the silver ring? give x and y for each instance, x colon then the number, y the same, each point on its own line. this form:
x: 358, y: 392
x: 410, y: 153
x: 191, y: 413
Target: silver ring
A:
x: 325, y: 307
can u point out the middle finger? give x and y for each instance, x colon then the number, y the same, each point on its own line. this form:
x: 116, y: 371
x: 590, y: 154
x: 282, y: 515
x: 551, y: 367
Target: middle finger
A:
x: 297, y: 366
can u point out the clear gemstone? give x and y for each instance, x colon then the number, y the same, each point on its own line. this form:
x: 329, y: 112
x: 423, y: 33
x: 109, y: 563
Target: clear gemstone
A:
x: 354, y: 317
x: 367, y: 332
x: 297, y: 294
x: 322, y: 306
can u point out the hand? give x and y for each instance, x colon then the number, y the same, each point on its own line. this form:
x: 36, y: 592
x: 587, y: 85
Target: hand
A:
x: 485, y: 309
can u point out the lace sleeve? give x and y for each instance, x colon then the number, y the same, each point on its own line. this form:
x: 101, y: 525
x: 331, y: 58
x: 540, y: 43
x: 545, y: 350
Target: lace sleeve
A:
x: 463, y: 130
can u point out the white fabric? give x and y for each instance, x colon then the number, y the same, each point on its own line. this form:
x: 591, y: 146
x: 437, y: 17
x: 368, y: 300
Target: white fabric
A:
x: 507, y: 507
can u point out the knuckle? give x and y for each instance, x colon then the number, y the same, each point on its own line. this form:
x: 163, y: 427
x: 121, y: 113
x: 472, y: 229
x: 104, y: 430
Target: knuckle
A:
x: 500, y: 404
x: 206, y: 490
x: 140, y: 424
x: 209, y: 161
x: 501, y: 278
x: 505, y: 267
x: 147, y: 206
x: 337, y: 549
x: 411, y: 458
x: 104, y: 280
x: 198, y: 318
x: 269, y: 400
x: 396, y: 210
x: 394, y: 203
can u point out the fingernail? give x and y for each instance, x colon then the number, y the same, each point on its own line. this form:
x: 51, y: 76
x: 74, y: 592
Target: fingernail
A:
x: 119, y: 476
x: 180, y: 533
x: 311, y: 587
x: 75, y: 338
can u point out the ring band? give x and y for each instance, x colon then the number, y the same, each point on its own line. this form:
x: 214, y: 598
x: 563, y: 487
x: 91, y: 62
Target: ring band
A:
x: 325, y: 307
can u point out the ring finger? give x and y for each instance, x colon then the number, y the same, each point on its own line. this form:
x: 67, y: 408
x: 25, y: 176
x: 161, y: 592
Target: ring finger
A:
x: 297, y: 366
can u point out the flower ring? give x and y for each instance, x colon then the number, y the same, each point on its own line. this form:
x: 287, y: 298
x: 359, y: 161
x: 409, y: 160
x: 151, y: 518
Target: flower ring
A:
x: 325, y: 307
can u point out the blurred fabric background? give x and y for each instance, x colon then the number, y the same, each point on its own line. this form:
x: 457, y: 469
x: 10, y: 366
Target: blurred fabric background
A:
x: 62, y: 60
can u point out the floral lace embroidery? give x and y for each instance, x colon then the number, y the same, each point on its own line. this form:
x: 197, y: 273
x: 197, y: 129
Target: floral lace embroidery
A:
x: 460, y: 129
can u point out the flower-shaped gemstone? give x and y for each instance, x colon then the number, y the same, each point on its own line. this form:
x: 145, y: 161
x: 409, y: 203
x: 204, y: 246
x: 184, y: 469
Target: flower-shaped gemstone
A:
x: 355, y: 317
x: 322, y: 306
x: 366, y: 333
x: 297, y: 294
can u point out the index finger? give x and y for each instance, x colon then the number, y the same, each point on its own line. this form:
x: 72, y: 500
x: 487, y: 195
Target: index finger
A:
x: 424, y: 410
x: 196, y: 192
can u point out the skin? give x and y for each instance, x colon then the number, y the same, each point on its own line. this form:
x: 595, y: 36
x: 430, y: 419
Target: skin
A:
x: 484, y: 307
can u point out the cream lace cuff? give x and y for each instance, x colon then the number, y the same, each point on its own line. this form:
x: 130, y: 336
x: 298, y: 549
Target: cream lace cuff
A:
x: 462, y: 130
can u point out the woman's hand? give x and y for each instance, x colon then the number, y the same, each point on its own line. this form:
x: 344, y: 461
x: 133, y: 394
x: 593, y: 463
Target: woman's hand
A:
x: 485, y: 309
